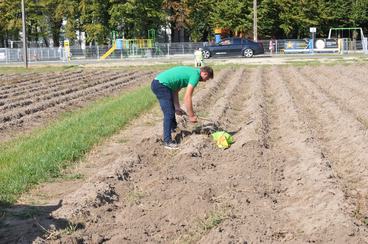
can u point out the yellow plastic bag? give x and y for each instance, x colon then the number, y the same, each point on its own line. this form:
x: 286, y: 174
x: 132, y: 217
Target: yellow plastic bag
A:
x: 222, y: 139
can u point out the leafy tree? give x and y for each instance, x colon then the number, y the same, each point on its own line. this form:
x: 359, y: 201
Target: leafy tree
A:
x: 10, y: 20
x: 338, y: 10
x: 233, y: 15
x: 53, y: 19
x: 194, y: 18
x: 178, y: 15
x: 94, y: 20
x: 296, y: 17
x: 359, y: 14
x: 35, y: 22
x: 269, y: 22
x: 199, y: 19
x: 136, y: 17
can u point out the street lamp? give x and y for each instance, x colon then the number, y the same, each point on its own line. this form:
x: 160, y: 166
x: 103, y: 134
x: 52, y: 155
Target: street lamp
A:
x: 25, y: 55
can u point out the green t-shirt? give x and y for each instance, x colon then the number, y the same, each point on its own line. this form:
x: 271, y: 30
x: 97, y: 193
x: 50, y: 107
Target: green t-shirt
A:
x: 179, y: 77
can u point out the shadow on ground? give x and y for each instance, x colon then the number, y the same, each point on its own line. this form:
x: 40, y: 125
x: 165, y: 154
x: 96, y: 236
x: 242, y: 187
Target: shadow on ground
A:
x: 25, y: 223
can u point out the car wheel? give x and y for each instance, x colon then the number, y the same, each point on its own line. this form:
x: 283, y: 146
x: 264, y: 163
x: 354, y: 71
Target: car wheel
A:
x: 248, y: 53
x: 206, y: 54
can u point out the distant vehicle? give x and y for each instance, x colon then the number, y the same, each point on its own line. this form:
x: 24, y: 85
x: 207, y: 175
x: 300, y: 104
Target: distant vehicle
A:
x: 233, y: 47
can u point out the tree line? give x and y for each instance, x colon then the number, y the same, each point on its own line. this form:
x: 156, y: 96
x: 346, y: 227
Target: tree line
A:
x: 193, y: 20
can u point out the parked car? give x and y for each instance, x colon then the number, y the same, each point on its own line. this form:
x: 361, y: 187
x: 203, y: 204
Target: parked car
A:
x: 233, y: 47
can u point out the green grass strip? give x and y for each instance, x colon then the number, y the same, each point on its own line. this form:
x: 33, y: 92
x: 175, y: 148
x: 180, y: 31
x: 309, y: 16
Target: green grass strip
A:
x: 36, y: 158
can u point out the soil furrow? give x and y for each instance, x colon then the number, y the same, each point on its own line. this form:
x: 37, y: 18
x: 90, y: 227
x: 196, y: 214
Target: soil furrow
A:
x: 205, y: 96
x: 222, y: 104
x: 14, y: 85
x: 355, y: 73
x: 252, y: 113
x: 51, y: 100
x: 342, y: 138
x: 307, y: 209
x: 165, y: 179
x: 34, y: 116
x: 61, y: 82
x: 252, y: 213
x: 297, y: 172
x: 67, y: 88
x: 341, y: 91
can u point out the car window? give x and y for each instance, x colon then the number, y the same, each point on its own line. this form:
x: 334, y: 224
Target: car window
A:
x: 225, y: 42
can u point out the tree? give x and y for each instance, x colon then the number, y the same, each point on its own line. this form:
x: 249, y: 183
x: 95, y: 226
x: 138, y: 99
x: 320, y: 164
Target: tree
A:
x: 94, y: 20
x: 233, y: 15
x: 10, y: 20
x: 359, y: 14
x: 136, y: 17
x: 178, y: 17
x: 53, y: 19
x: 199, y: 24
x: 269, y: 22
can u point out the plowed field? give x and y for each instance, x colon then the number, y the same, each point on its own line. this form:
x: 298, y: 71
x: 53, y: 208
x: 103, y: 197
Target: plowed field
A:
x: 297, y: 172
x: 31, y: 100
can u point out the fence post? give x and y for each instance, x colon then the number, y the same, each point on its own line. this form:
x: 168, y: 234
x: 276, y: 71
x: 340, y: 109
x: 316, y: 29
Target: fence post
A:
x: 98, y: 52
x: 6, y: 55
x: 365, y: 45
x: 168, y: 49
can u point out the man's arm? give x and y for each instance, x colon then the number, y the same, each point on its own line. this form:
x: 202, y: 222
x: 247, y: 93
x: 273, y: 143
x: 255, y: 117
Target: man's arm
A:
x: 178, y: 110
x: 176, y: 99
x: 188, y: 103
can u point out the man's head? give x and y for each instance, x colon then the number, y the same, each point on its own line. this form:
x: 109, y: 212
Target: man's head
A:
x: 206, y: 73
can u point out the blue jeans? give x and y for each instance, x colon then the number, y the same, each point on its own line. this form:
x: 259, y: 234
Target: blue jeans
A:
x: 165, y: 98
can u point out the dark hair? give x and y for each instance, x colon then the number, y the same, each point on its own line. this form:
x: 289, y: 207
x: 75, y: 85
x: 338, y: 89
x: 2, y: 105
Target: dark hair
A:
x: 208, y: 70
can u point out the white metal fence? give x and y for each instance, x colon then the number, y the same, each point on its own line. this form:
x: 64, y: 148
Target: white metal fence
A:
x: 15, y: 55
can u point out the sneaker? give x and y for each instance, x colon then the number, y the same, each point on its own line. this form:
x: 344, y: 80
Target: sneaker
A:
x: 171, y: 145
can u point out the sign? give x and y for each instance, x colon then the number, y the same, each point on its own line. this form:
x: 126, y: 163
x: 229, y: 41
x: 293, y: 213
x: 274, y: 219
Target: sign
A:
x: 331, y: 43
x: 67, y: 50
x: 320, y: 44
x: 313, y: 29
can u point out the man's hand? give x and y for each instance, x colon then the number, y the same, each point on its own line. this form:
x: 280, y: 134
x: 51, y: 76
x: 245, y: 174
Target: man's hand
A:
x: 193, y: 119
x: 180, y: 112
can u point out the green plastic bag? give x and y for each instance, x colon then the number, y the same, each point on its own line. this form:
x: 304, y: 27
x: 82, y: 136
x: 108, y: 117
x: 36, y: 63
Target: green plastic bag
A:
x: 222, y: 139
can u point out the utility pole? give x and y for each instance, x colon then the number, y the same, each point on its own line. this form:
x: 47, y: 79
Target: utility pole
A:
x: 25, y: 55
x: 255, y: 20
